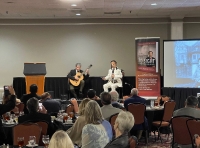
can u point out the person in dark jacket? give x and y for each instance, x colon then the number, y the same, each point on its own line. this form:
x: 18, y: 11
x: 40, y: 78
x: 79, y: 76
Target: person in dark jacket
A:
x: 9, y: 105
x: 91, y: 94
x: 134, y: 98
x: 123, y: 124
x: 26, y: 97
x: 73, y: 75
x: 52, y: 106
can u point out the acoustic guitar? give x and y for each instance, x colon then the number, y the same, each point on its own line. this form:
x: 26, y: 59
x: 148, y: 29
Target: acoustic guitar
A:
x: 80, y: 76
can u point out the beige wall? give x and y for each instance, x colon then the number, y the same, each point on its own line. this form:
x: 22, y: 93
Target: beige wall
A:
x: 61, y: 46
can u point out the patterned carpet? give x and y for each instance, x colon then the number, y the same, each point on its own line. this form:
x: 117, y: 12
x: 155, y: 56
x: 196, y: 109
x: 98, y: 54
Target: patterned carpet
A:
x: 152, y: 144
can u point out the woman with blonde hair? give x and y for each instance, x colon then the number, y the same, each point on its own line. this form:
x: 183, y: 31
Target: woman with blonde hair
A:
x: 75, y: 131
x: 97, y: 132
x: 60, y: 139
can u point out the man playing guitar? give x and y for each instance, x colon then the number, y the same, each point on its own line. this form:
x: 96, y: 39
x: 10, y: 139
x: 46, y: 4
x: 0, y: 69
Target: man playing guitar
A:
x: 77, y: 77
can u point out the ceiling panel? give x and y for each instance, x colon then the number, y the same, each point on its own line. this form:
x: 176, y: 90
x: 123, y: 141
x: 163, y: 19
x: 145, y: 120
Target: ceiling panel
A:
x: 98, y: 8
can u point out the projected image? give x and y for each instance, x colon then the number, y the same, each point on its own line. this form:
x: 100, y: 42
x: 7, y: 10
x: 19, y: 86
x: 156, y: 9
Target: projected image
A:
x: 187, y: 61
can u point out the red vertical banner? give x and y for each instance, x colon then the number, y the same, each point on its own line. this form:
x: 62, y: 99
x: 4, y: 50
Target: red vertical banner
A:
x: 148, y: 66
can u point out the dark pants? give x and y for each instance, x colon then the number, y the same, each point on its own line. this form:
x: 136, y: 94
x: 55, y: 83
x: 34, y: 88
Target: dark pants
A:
x: 81, y: 85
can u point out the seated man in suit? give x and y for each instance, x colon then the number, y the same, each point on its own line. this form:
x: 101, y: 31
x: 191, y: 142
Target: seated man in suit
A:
x: 190, y: 109
x: 52, y: 106
x: 91, y: 94
x: 114, y: 77
x: 134, y: 98
x: 73, y: 76
x: 107, y: 109
x: 26, y: 97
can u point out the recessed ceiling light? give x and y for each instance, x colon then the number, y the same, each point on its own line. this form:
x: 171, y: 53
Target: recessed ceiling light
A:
x: 154, y: 4
x: 78, y: 14
x: 73, y: 5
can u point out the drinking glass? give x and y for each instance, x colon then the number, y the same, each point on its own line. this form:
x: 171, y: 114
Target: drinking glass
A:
x: 65, y: 117
x: 20, y: 141
x: 71, y: 114
x: 17, y: 113
x: 155, y: 103
x: 32, y: 140
x: 45, y: 140
x: 21, y: 113
x: 7, y: 116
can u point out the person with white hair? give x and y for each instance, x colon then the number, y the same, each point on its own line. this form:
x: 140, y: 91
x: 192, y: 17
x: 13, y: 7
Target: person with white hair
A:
x: 123, y: 124
x: 114, y: 99
x: 134, y: 98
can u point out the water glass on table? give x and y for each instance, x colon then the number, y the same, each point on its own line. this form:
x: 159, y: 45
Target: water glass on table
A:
x: 21, y: 113
x: 20, y: 141
x: 32, y: 141
x: 45, y: 140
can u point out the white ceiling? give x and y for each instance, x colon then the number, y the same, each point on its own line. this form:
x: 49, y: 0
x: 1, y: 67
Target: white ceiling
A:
x: 99, y: 8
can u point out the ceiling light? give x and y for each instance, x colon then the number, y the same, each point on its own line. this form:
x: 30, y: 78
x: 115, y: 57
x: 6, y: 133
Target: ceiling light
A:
x: 73, y: 5
x: 154, y: 4
x: 78, y: 14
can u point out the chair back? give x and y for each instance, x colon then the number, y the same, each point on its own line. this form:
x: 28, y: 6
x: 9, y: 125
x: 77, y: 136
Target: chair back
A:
x: 75, y: 104
x: 20, y: 106
x: 180, y: 131
x: 70, y: 108
x: 133, y: 142
x: 112, y: 119
x: 26, y: 130
x: 44, y: 126
x: 138, y: 111
x: 193, y: 127
x: 168, y: 110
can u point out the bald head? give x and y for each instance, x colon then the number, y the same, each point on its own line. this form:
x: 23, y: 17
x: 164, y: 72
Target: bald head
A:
x: 134, y: 91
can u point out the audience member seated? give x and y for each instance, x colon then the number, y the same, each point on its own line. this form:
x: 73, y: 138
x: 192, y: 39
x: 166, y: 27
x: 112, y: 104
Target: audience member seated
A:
x: 26, y: 97
x: 134, y: 98
x: 137, y: 129
x: 107, y: 109
x: 114, y: 99
x: 35, y: 112
x: 60, y: 139
x: 52, y: 106
x: 97, y: 132
x: 9, y: 105
x: 123, y: 124
x: 161, y: 100
x: 75, y: 131
x: 91, y: 94
x: 190, y: 109
x: 6, y: 98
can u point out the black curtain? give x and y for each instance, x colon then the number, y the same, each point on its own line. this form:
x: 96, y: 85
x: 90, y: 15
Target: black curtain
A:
x: 179, y: 95
x: 59, y: 86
